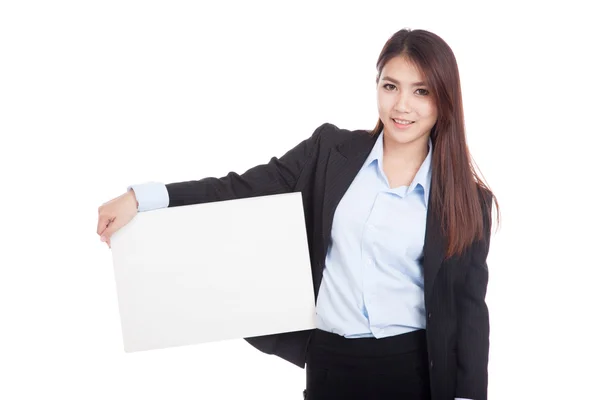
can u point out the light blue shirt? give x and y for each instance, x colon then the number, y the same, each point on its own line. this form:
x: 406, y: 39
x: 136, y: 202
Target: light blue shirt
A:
x: 151, y: 196
x: 373, y: 279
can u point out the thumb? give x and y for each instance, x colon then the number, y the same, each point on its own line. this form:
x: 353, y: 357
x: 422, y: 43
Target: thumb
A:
x: 103, y: 222
x: 111, y: 227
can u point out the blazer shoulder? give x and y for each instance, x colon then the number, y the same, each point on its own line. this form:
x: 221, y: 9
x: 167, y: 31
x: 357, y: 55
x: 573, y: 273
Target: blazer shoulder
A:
x: 486, y: 198
x: 331, y: 135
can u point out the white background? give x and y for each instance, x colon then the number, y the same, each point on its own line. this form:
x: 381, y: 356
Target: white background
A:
x: 95, y: 96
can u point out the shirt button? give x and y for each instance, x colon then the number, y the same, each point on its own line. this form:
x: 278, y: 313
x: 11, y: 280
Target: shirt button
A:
x: 431, y: 364
x: 429, y: 316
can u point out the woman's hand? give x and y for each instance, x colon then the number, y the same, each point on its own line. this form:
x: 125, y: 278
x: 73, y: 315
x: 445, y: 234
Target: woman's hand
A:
x: 115, y: 214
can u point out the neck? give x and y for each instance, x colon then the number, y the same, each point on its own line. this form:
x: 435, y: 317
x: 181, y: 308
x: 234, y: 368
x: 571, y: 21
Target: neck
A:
x: 406, y: 154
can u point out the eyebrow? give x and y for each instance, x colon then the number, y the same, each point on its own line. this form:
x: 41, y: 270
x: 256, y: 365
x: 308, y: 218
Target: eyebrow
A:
x: 387, y: 78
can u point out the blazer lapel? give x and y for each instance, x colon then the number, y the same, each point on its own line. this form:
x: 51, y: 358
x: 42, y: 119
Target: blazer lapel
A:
x: 343, y: 164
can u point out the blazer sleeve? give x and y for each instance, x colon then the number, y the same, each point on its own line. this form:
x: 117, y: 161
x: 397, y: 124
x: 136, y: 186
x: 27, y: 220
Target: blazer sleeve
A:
x: 473, y: 319
x: 279, y: 175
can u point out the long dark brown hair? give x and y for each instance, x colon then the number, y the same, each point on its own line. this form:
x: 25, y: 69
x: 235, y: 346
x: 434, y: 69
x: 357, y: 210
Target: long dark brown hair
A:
x: 459, y: 194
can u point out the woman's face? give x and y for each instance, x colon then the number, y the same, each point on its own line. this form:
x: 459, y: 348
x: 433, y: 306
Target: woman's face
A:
x: 401, y: 95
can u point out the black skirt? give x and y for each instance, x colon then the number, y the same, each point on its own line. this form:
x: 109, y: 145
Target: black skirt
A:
x: 367, y: 368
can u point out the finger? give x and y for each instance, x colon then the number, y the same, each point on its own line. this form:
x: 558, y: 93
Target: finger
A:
x: 103, y: 222
x: 109, y: 230
x: 104, y: 231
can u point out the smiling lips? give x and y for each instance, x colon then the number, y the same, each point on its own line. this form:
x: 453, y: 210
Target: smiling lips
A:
x: 402, y: 123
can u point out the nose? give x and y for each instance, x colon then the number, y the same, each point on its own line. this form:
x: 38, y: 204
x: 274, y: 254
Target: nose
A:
x: 402, y: 103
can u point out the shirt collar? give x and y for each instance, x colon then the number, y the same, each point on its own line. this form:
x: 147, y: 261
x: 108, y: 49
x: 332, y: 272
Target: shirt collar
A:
x: 423, y: 175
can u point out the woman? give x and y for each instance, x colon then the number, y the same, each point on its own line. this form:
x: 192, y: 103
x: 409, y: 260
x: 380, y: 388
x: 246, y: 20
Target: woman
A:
x: 398, y: 226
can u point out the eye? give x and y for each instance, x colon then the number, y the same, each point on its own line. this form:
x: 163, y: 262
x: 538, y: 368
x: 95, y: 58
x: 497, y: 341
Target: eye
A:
x: 389, y: 86
x: 424, y: 90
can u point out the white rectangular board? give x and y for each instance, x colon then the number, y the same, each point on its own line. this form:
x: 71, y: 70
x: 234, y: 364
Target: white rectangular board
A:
x: 215, y: 271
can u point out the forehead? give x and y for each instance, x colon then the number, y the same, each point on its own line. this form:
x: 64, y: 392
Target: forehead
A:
x: 403, y: 70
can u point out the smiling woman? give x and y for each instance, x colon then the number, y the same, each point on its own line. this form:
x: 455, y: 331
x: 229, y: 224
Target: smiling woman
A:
x: 398, y: 226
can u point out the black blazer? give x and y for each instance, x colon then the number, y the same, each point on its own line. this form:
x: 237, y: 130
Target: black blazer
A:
x: 322, y: 168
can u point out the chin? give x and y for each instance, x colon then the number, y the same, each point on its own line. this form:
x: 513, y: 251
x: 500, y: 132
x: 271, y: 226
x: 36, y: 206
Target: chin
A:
x: 402, y: 136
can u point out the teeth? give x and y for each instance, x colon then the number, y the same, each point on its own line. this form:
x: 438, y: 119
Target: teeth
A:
x: 403, y: 122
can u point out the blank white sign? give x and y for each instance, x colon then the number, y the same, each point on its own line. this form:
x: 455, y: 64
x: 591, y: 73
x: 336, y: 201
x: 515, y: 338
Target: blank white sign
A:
x: 214, y: 271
